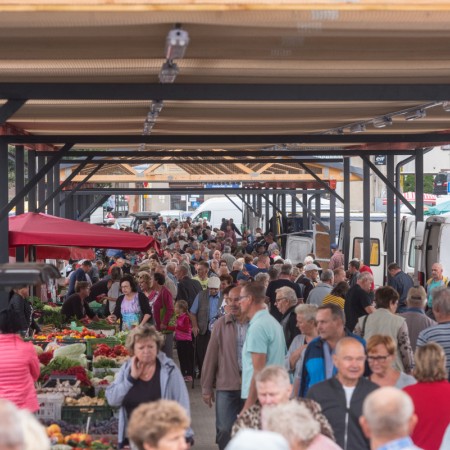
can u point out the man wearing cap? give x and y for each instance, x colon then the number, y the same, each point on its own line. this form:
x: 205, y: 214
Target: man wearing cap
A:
x: 204, y: 312
x: 309, y: 280
x: 337, y: 258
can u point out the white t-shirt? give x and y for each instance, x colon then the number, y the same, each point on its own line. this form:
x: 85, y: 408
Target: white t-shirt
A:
x: 348, y: 394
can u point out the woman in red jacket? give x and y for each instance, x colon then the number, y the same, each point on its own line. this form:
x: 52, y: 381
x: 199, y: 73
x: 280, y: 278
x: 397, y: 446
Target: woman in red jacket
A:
x: 430, y: 396
x: 20, y: 365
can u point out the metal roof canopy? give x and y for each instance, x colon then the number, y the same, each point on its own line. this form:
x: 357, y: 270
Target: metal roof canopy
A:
x: 96, y: 73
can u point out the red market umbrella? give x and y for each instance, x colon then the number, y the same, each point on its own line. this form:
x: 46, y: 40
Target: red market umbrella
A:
x: 43, y: 229
x: 57, y: 252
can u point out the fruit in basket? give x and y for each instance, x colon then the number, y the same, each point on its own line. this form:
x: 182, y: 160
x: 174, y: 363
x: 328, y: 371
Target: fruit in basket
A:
x: 53, y: 428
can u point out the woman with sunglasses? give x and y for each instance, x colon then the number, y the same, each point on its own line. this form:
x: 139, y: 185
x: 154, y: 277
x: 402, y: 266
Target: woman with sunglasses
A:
x: 381, y: 354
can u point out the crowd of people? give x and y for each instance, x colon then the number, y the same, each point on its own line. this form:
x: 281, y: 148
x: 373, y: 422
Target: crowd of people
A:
x: 291, y: 356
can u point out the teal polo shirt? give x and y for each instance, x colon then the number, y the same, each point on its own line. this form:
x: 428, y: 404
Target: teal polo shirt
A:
x: 264, y: 335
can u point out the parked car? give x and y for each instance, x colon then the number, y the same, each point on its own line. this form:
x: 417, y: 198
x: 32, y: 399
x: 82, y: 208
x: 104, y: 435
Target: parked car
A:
x: 143, y: 216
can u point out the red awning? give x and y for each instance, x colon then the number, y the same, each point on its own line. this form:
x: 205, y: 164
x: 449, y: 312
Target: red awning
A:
x: 429, y: 199
x: 57, y: 252
x: 43, y: 229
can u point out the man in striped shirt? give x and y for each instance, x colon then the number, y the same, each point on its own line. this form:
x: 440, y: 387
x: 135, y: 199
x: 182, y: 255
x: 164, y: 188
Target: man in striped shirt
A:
x: 439, y: 333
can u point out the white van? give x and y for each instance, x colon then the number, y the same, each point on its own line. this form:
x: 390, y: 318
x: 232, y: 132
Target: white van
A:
x: 432, y: 238
x: 217, y: 208
x: 377, y: 256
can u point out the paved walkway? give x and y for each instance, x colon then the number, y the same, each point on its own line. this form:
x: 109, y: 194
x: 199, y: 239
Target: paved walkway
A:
x: 203, y: 420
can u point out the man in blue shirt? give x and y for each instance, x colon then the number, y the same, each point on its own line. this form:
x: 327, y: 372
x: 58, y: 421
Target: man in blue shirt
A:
x: 204, y: 312
x: 264, y: 343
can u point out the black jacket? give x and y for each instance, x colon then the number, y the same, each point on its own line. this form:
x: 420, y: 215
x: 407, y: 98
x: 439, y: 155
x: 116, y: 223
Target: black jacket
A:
x: 24, y: 313
x: 345, y: 421
x: 143, y: 304
x: 188, y: 290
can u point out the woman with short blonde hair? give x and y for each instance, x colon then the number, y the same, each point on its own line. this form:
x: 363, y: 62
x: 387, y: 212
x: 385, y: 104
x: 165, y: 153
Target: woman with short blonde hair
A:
x: 159, y: 425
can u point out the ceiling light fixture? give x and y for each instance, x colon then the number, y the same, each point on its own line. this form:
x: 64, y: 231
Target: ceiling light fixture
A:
x: 381, y: 122
x: 151, y: 117
x: 169, y: 72
x: 176, y: 43
x: 416, y: 114
x: 446, y: 106
x: 157, y: 106
x: 358, y: 128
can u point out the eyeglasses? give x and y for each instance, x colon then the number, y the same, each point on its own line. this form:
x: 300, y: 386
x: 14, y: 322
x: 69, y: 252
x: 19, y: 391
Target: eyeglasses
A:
x: 241, y: 297
x: 378, y: 358
x: 279, y: 300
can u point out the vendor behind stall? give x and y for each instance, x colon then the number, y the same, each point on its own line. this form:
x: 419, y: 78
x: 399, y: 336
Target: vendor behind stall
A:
x: 76, y: 305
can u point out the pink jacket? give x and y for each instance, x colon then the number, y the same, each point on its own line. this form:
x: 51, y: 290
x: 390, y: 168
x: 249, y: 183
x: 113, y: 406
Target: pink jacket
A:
x: 18, y: 372
x: 164, y: 299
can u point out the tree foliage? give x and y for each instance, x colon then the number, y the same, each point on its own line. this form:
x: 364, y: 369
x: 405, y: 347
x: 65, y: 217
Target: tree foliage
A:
x: 409, y: 183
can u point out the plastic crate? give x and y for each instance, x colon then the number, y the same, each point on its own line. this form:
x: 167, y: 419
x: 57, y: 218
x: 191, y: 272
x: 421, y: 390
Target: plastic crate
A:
x: 80, y: 414
x: 50, y: 406
x: 91, y: 344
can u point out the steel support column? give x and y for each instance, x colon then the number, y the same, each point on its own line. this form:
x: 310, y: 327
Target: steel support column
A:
x: 390, y: 235
x: 56, y: 190
x: 346, y: 248
x: 20, y: 182
x: 33, y: 180
x: 41, y: 182
x: 32, y: 193
x: 332, y: 219
x: 49, y: 188
x: 304, y: 205
x: 92, y: 206
x: 366, y: 213
x: 419, y: 185
x: 307, y: 209
x: 4, y: 230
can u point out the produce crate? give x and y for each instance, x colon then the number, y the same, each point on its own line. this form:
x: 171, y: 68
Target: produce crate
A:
x: 50, y: 406
x: 91, y: 344
x: 80, y: 414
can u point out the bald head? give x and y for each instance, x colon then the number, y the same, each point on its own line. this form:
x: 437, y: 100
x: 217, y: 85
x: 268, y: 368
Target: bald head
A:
x: 388, y: 413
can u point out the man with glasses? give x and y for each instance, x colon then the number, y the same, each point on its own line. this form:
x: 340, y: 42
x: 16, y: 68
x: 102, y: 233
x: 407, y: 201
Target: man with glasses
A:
x: 264, y: 344
x: 342, y: 396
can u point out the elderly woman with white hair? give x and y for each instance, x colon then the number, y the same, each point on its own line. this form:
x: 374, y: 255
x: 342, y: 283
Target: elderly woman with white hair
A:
x: 285, y: 419
x: 286, y: 300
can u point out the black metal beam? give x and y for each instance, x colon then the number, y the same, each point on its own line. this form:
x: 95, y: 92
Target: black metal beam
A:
x: 211, y: 139
x: 183, y: 191
x: 34, y: 180
x: 310, y: 211
x: 93, y: 207
x: 216, y: 160
x: 389, y: 185
x: 8, y: 109
x: 4, y: 222
x: 221, y: 91
x: 81, y: 184
x: 64, y: 183
x: 322, y: 182
x: 241, y: 197
x: 419, y: 185
x: 234, y: 203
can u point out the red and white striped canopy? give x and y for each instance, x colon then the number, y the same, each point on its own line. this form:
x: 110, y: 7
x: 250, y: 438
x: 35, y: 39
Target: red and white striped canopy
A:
x: 428, y: 199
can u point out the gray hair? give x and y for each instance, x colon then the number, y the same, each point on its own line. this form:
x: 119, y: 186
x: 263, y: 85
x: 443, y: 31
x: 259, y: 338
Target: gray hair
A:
x: 387, y: 412
x: 170, y: 267
x: 307, y: 311
x: 238, y: 265
x: 11, y: 431
x: 289, y: 294
x: 416, y: 297
x: 327, y: 275
x: 227, y: 249
x: 262, y: 277
x: 285, y: 418
x: 441, y: 300
x: 286, y: 269
x: 364, y: 276
x: 273, y: 373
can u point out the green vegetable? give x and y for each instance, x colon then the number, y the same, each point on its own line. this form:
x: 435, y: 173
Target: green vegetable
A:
x: 59, y: 364
x: 73, y: 351
x: 104, y: 363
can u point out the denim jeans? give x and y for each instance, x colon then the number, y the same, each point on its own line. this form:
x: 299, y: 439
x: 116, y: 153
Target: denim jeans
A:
x: 228, y: 406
